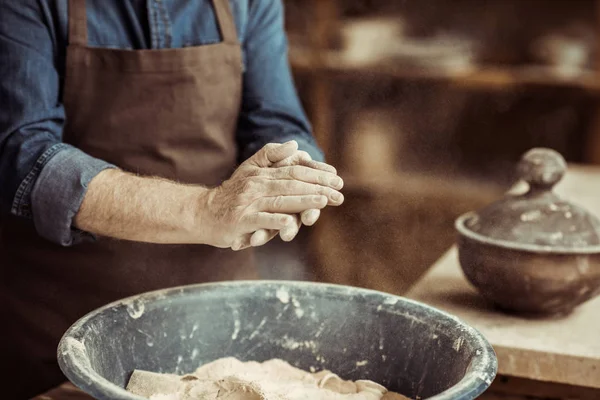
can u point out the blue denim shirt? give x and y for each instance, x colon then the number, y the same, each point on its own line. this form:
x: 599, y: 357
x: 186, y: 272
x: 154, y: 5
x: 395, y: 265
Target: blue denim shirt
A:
x: 43, y: 179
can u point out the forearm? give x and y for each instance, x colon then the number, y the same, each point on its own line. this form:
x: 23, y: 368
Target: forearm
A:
x: 271, y: 109
x: 125, y: 206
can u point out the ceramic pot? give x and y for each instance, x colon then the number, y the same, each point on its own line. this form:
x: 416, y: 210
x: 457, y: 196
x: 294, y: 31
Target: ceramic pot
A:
x: 534, y: 252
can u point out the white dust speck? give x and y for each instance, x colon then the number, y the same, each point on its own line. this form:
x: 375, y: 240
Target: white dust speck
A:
x: 485, y: 378
x: 458, y: 343
x: 194, y: 329
x: 288, y: 343
x: 390, y: 301
x: 258, y: 328
x: 584, y: 290
x: 583, y: 264
x: 135, y: 309
x: 362, y: 363
x: 531, y: 216
x: 297, y: 308
x: 556, y: 235
x: 236, y: 329
x: 283, y: 295
x: 194, y: 354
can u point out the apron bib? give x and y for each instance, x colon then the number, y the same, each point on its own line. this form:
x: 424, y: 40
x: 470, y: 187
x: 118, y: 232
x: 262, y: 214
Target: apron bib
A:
x: 170, y: 113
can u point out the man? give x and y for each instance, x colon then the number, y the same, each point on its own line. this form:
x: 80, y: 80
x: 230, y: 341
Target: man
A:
x: 125, y: 119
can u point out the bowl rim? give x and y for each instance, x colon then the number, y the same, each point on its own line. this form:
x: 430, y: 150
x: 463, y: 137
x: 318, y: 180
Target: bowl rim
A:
x: 76, y: 366
x: 461, y: 226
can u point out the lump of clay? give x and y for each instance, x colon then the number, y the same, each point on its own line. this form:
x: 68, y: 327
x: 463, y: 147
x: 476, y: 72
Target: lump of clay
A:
x: 231, y: 379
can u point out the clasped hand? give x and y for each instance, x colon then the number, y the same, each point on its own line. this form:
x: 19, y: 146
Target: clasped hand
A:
x: 275, y: 191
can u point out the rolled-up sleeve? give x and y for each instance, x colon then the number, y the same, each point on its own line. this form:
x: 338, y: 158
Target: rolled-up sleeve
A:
x: 271, y: 109
x: 42, y: 179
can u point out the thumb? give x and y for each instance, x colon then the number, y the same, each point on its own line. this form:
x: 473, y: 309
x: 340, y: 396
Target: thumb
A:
x: 273, y: 153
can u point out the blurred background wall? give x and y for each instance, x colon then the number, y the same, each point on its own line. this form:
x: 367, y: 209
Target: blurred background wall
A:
x: 424, y: 107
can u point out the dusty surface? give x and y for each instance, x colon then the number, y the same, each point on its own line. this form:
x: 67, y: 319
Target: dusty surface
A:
x: 231, y: 379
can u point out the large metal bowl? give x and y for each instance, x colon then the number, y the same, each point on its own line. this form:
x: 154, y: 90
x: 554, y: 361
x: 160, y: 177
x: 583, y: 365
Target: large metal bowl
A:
x: 360, y: 334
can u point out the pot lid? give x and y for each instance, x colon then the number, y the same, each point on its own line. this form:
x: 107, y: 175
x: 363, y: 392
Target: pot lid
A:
x: 538, y: 216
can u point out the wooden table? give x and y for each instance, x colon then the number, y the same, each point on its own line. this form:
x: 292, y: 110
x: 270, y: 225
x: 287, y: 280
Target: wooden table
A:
x: 543, y: 358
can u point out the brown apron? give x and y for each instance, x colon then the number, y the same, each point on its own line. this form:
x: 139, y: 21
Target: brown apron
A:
x: 169, y: 113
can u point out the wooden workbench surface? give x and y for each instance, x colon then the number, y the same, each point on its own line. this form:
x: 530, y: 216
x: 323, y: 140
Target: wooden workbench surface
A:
x: 562, y: 350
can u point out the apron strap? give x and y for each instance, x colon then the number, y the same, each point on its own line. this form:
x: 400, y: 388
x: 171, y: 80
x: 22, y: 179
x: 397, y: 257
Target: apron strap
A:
x: 78, y: 31
x: 226, y: 21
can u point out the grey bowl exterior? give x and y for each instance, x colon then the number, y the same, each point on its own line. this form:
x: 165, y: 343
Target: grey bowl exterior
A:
x: 526, y: 278
x: 360, y: 334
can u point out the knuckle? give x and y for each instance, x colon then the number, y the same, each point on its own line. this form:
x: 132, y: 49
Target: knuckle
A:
x: 250, y: 185
x: 252, y: 172
x: 269, y: 146
x: 278, y: 202
x: 304, y: 155
x: 252, y: 218
x: 292, y: 172
x: 300, y: 172
x: 321, y: 179
x: 236, y: 216
x: 290, y: 187
x: 283, y: 220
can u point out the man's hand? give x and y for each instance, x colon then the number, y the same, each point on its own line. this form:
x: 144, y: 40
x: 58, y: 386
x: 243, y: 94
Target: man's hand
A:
x: 125, y: 206
x: 307, y: 217
x: 260, y: 198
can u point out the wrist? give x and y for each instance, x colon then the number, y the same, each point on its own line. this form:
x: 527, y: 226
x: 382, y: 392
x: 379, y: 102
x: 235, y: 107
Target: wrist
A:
x: 197, y: 215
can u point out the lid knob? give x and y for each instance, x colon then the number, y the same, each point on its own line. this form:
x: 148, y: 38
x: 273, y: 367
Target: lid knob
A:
x: 542, y: 168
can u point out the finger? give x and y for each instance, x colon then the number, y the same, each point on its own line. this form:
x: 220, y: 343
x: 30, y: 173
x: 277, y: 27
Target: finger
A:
x: 303, y: 158
x: 306, y: 174
x: 296, y: 188
x: 241, y: 243
x: 273, y: 153
x: 266, y: 220
x: 321, y: 166
x: 297, y: 158
x: 262, y: 237
x: 288, y: 233
x: 294, y: 159
x: 310, y: 217
x: 290, y: 204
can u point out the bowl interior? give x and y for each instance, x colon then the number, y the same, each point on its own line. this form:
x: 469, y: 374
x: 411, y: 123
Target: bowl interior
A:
x: 358, y: 334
